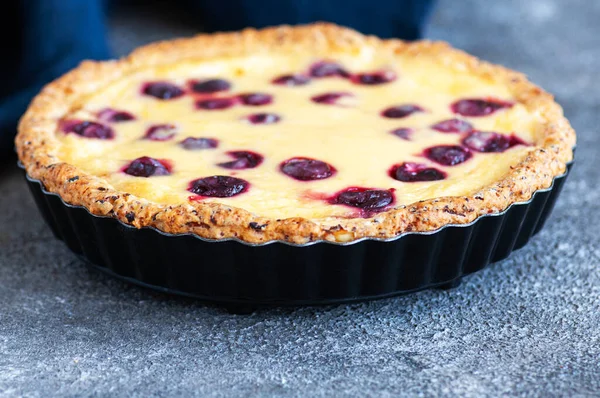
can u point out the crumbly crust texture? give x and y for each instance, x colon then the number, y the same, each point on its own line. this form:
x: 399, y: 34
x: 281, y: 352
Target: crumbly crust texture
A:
x: 36, y: 143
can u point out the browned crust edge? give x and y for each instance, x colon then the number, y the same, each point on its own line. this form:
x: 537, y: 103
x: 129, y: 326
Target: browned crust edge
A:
x: 36, y: 144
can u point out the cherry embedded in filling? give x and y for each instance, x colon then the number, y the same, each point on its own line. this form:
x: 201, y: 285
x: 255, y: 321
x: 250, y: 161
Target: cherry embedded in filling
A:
x: 305, y: 169
x: 329, y: 98
x: 448, y: 155
x: 475, y: 107
x: 453, y: 126
x: 210, y: 86
x: 218, y: 186
x: 255, y: 99
x: 403, y: 132
x: 193, y: 143
x: 109, y: 115
x: 291, y: 80
x: 161, y: 132
x: 263, y: 118
x: 327, y: 69
x: 484, y: 141
x: 215, y: 103
x: 374, y: 78
x: 371, y: 200
x: 400, y: 111
x: 147, y: 167
x: 415, y: 172
x: 88, y: 129
x: 162, y: 90
x: 242, y: 160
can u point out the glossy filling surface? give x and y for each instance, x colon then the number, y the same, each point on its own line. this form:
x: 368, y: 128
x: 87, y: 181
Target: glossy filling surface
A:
x: 347, y: 136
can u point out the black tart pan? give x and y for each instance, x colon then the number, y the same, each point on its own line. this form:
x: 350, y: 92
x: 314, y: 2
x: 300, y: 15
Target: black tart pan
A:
x: 235, y: 273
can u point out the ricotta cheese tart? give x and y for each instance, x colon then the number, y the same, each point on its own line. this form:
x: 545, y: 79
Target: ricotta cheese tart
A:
x: 296, y: 134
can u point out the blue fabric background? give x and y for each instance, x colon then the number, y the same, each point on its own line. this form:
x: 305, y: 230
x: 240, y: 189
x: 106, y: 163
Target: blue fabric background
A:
x: 46, y: 38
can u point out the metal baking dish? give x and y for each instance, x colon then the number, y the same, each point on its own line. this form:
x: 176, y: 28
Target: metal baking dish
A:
x: 235, y: 273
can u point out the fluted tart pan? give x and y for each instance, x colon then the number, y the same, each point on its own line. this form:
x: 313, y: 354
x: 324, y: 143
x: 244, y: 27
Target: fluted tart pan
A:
x: 231, y: 271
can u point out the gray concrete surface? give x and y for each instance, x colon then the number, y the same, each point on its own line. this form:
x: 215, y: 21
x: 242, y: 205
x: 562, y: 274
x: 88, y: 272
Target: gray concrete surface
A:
x: 528, y: 326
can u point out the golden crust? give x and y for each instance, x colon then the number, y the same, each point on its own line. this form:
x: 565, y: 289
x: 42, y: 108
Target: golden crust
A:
x: 36, y: 144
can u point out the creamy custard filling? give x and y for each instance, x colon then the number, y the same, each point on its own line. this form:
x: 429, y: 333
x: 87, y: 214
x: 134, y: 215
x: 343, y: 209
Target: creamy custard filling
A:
x: 337, y: 120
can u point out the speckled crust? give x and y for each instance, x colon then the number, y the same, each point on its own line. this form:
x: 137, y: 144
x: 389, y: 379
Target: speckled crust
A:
x: 36, y: 144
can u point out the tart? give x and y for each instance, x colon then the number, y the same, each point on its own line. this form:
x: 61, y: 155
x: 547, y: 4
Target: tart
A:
x: 295, y: 134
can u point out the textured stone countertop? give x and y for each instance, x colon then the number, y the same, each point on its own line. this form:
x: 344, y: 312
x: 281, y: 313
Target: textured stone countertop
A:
x: 529, y: 325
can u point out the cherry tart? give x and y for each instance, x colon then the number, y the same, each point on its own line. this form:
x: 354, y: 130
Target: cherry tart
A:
x: 296, y: 134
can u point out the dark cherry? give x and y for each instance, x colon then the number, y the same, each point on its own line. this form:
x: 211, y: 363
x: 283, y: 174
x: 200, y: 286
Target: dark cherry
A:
x: 210, y: 86
x: 263, y: 118
x: 453, y: 126
x: 193, y: 143
x: 291, y: 80
x: 374, y: 78
x: 255, y: 99
x: 371, y: 200
x: 475, y: 107
x: 161, y: 132
x: 327, y: 69
x: 212, y: 104
x: 403, y: 132
x: 415, y: 172
x: 162, y: 90
x: 484, y: 141
x: 400, y: 111
x: 448, y: 155
x: 329, y: 98
x: 147, y: 167
x: 109, y: 115
x: 88, y: 129
x: 218, y: 186
x: 242, y: 160
x: 306, y: 169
